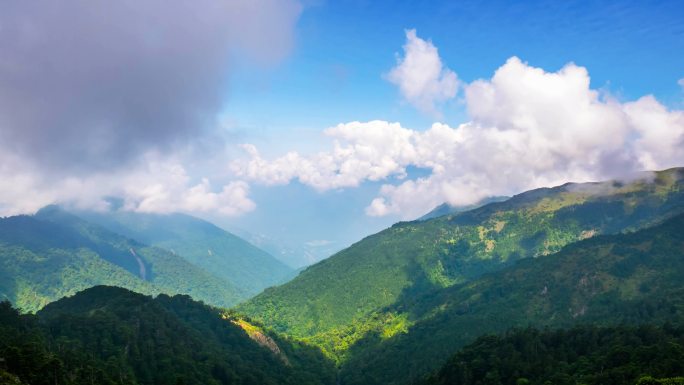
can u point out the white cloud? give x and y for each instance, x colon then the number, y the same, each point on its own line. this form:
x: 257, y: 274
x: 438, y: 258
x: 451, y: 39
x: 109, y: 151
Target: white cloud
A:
x: 361, y: 151
x: 660, y: 133
x: 158, y: 184
x: 90, y: 89
x: 232, y: 200
x: 681, y: 82
x: 528, y: 128
x: 422, y: 78
x: 166, y: 188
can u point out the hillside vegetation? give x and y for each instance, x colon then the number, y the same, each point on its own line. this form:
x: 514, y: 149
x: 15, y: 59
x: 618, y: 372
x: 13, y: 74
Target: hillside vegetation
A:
x: 644, y: 355
x: 629, y: 278
x: 331, y: 303
x: 106, y: 335
x: 53, y: 254
x: 201, y: 243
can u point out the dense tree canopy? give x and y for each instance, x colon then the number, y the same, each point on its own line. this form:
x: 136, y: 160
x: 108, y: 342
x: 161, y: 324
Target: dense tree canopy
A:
x: 583, y: 355
x: 107, y: 335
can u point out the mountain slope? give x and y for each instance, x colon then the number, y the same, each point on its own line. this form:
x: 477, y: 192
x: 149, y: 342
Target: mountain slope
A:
x: 201, y: 243
x: 332, y: 302
x: 582, y: 355
x: 53, y: 254
x: 612, y: 279
x: 108, y: 335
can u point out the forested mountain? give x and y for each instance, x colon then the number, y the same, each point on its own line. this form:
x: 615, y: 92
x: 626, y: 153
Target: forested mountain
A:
x: 201, y: 243
x: 628, y: 278
x: 644, y: 355
x: 336, y: 295
x: 54, y: 254
x: 389, y: 310
x: 107, y: 335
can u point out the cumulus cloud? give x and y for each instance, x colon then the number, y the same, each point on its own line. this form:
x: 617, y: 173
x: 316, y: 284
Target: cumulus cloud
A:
x: 422, y: 78
x: 528, y: 128
x: 93, y: 84
x: 361, y: 151
x: 157, y: 184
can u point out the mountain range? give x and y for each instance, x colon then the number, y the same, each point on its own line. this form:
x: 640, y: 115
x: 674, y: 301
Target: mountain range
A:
x: 621, y: 279
x: 201, y: 243
x: 588, y: 274
x: 56, y: 253
x: 359, y: 304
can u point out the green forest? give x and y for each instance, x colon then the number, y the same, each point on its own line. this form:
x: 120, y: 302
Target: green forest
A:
x: 201, y: 243
x: 629, y: 278
x: 108, y: 335
x: 590, y: 355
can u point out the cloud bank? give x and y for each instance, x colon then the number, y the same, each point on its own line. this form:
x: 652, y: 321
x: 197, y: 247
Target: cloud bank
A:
x: 158, y: 184
x: 528, y: 128
x: 90, y: 88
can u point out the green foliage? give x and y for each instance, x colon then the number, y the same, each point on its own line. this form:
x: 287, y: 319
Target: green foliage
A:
x: 8, y: 379
x: 54, y: 254
x: 201, y: 243
x: 587, y: 355
x: 108, y: 335
x: 628, y: 278
x: 648, y: 380
x: 339, y: 300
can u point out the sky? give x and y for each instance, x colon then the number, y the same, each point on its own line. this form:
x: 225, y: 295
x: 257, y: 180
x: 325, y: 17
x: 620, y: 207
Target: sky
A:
x: 305, y: 126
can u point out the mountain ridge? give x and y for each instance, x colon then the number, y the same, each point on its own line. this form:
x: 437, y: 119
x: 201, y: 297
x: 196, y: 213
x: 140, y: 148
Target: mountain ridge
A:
x: 335, y: 302
x: 605, y: 280
x: 52, y: 254
x: 201, y: 243
x: 110, y: 335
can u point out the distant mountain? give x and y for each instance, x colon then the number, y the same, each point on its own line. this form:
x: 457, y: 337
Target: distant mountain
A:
x: 624, y: 279
x: 446, y: 209
x: 107, y: 335
x: 201, y: 243
x: 53, y: 253
x: 336, y: 302
x: 294, y: 254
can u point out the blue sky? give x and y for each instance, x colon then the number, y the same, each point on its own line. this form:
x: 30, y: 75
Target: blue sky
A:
x: 311, y: 125
x: 343, y: 48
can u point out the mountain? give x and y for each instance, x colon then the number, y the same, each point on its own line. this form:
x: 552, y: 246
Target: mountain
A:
x: 446, y: 209
x: 644, y: 355
x: 53, y: 254
x: 108, y: 335
x: 201, y: 243
x: 623, y: 279
x: 336, y: 302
